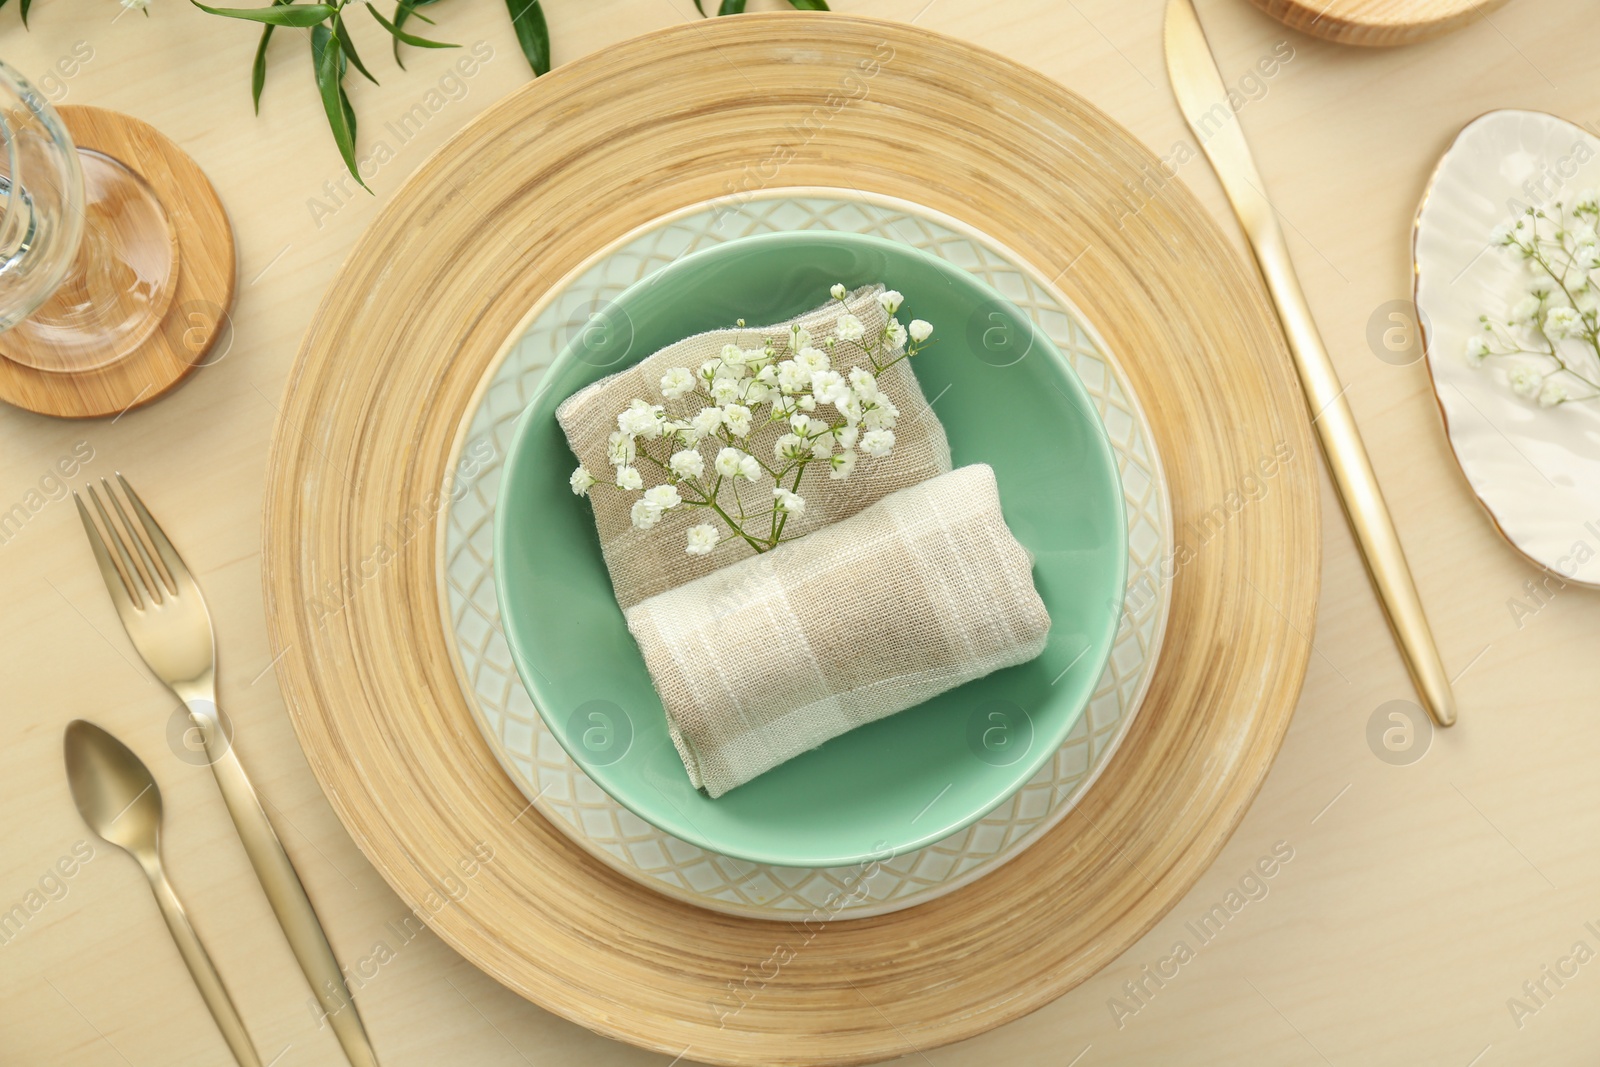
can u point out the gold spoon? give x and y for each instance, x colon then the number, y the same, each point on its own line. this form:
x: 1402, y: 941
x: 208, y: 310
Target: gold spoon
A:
x: 118, y: 798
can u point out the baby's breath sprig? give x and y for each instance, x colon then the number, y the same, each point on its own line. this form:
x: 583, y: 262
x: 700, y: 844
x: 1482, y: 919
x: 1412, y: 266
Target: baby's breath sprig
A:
x: 833, y: 416
x: 1549, y: 342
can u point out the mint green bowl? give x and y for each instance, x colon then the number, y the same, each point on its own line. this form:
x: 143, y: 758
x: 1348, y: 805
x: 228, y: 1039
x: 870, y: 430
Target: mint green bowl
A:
x: 1006, y: 396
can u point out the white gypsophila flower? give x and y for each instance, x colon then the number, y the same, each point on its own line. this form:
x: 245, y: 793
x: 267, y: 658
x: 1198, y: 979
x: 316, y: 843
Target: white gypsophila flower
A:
x: 749, y: 468
x: 580, y: 481
x: 687, y: 463
x: 812, y: 359
x: 664, y: 497
x: 1562, y: 322
x: 641, y: 420
x: 829, y: 387
x: 840, y: 465
x: 890, y: 300
x: 733, y: 355
x: 881, y: 416
x: 1477, y: 349
x: 806, y: 402
x: 792, y: 377
x: 755, y: 392
x: 1541, y: 286
x: 1584, y: 234
x: 702, y: 539
x: 921, y: 330
x: 644, y: 514
x: 849, y: 328
x: 865, y: 385
x: 707, y: 421
x: 800, y: 424
x: 1501, y: 234
x: 847, y: 436
x: 1588, y: 201
x: 736, y: 417
x: 727, y: 462
x: 725, y: 390
x: 877, y: 443
x: 1587, y: 257
x: 822, y: 448
x: 629, y: 478
x: 620, y: 448
x: 895, y: 333
x: 677, y: 383
x: 1552, y: 393
x: 799, y: 337
x: 851, y: 407
x: 789, y: 446
x: 757, y: 358
x: 1525, y: 311
x: 788, y: 502
x: 1524, y: 380
x: 836, y: 290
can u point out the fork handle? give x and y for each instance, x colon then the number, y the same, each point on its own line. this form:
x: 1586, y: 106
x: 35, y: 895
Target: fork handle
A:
x: 200, y: 967
x: 284, y: 890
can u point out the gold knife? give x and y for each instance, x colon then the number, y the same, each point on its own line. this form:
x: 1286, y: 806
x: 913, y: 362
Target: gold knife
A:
x: 1202, y: 97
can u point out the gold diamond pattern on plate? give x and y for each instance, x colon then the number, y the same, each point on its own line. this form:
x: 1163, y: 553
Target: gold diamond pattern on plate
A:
x: 566, y: 796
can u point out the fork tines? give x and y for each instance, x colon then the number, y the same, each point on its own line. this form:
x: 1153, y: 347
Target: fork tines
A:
x: 145, y: 566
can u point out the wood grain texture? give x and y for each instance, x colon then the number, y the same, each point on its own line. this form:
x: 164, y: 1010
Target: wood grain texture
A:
x: 520, y: 198
x: 198, y: 312
x: 1377, y: 23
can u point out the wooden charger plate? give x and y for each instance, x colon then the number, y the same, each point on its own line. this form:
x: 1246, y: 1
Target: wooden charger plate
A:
x: 482, y: 232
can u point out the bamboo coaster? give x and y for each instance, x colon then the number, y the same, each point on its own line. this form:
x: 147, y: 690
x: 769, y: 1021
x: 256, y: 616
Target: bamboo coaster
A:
x: 483, y: 232
x: 1376, y: 23
x: 197, y: 315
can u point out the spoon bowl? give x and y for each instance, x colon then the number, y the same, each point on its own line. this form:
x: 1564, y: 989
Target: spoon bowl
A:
x: 115, y: 792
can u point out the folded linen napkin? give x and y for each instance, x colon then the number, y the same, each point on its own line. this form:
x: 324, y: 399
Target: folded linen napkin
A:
x: 760, y: 661
x: 646, y: 562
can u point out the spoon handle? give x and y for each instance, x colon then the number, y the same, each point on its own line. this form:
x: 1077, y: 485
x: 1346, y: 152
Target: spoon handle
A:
x: 204, y: 971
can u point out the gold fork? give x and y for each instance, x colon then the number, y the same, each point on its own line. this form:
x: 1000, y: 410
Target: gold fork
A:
x: 165, y: 615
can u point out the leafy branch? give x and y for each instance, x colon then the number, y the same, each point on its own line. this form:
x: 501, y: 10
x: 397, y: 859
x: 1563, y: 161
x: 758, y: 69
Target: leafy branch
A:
x: 333, y: 51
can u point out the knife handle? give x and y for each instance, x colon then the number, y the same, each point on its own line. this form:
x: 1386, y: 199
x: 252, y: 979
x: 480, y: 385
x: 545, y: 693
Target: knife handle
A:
x: 284, y: 890
x: 1354, y: 479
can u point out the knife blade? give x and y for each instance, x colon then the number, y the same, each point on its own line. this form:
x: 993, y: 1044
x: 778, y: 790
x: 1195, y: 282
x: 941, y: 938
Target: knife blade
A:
x: 1203, y: 99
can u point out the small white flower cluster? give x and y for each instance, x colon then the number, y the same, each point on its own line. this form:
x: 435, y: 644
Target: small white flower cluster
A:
x: 1551, y: 337
x: 828, y: 396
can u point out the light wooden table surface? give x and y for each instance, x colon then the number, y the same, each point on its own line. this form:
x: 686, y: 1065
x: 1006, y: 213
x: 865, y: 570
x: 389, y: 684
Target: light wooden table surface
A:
x: 1419, y: 899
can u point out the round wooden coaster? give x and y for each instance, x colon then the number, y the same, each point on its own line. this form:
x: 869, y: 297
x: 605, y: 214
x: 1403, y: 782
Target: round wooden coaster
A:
x: 487, y: 228
x: 1378, y: 23
x: 197, y: 316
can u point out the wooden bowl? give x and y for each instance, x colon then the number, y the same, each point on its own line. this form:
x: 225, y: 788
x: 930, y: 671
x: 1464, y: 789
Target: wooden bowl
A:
x: 1376, y: 23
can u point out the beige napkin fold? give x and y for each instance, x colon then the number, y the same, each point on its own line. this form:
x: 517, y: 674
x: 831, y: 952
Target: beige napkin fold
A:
x: 760, y: 661
x: 646, y: 562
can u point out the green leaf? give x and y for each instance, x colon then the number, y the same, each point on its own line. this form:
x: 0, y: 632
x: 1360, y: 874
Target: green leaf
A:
x: 299, y: 15
x: 402, y: 14
x: 809, y: 5
x: 25, y: 5
x: 697, y: 7
x: 327, y: 56
x: 731, y: 7
x: 258, y: 70
x: 349, y: 48
x: 527, y: 18
x: 401, y: 35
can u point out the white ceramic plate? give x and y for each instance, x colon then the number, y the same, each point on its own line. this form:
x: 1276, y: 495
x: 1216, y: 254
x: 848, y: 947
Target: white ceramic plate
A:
x: 561, y: 791
x: 1535, y: 470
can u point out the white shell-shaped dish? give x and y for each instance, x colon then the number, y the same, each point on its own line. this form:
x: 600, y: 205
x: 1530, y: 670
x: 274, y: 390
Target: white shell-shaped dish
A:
x: 1535, y: 470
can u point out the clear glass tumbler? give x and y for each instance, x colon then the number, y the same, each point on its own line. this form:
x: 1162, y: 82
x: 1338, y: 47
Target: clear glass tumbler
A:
x: 88, y: 256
